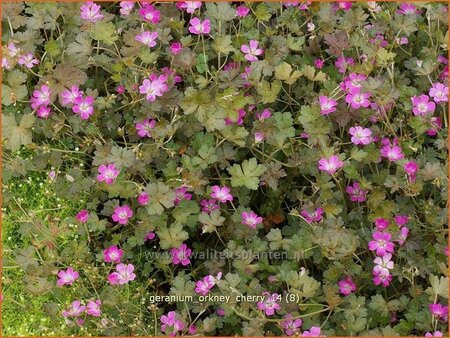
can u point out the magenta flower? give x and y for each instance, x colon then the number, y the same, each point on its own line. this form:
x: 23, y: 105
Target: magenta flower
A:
x: 154, y: 86
x: 82, y: 216
x: 145, y: 127
x: 319, y: 63
x: 170, y: 323
x: 383, y: 264
x: 122, y: 214
x: 112, y: 254
x: 28, y: 60
x: 356, y: 99
x: 43, y: 112
x: 315, y: 216
x: 356, y: 193
x: 151, y: 235
x: 126, y: 7
x: 206, y: 284
x: 13, y: 50
x: 439, y: 92
x: 381, y: 223
x: 181, y: 194
x: 251, y: 219
x: 123, y: 275
x: 120, y: 89
x: 107, y: 173
x: 221, y: 194
x: 209, y: 206
x: 41, y: 97
x: 67, y: 277
x: 251, y: 51
x: 360, y: 135
x: 408, y: 9
x: 381, y: 243
x: 384, y: 278
x: 435, y: 334
x: 181, y: 255
x: 68, y: 97
x: 436, y: 124
x: 93, y: 308
x: 220, y: 312
x: 269, y: 305
x: 422, y: 106
x: 439, y: 311
x: 83, y: 107
x: 91, y: 12
x: 6, y: 64
x: 411, y: 168
x: 259, y: 136
x: 391, y: 151
x: 265, y: 114
x: 342, y: 63
x: 198, y: 28
x: 327, y: 105
x: 147, y: 38
x: 347, y: 286
x: 189, y: 6
x: 290, y: 325
x: 401, y: 220
x: 176, y: 48
x: 75, y: 310
x: 314, y: 331
x: 150, y: 14
x: 242, y: 11
x: 143, y: 198
x: 331, y: 164
x: 404, y: 231
x: 352, y: 81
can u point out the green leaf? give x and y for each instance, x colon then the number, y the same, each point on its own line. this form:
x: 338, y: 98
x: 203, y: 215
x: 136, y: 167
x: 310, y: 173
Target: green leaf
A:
x: 104, y: 32
x: 220, y: 11
x: 310, y: 73
x: 439, y: 287
x: 246, y: 174
x: 160, y: 197
x: 211, y: 221
x: 284, y: 72
x: 269, y: 91
x: 202, y: 63
x: 222, y: 44
x: 17, y: 135
x: 171, y: 236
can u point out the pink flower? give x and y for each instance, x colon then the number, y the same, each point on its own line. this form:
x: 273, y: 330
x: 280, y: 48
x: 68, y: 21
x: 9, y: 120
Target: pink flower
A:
x: 439, y: 311
x: 439, y: 92
x: 28, y: 60
x: 145, y: 127
x: 13, y: 50
x: 331, y: 164
x: 75, y: 310
x: 352, y: 81
x: 123, y: 275
x: 404, y: 231
x: 411, y: 168
x: 107, y: 173
x: 383, y: 264
x: 143, y: 198
x: 43, y: 112
x: 151, y: 235
x: 240, y: 118
x: 347, y: 286
x: 112, y: 254
x: 360, y: 135
x: 147, y: 38
x: 206, y: 284
x: 52, y: 175
x: 401, y: 220
x: 251, y: 219
x: 381, y: 223
x: 319, y: 63
x: 69, y: 97
x: 120, y: 89
x: 436, y: 123
x: 391, y: 152
x: 149, y: 14
x: 93, y: 308
x: 209, y: 206
x: 181, y: 255
x: 154, y: 86
x: 126, y: 7
x: 381, y: 243
x: 435, y: 334
x: 176, y: 48
x: 170, y: 324
x: 408, y: 9
x: 259, y: 136
x: 382, y: 277
x: 122, y: 214
x: 220, y: 312
x: 91, y: 12
x: 315, y: 216
x: 314, y: 331
x: 221, y: 194
x: 290, y: 325
x: 242, y: 11
x: 82, y: 216
x: 269, y: 305
x: 401, y: 41
x: 356, y: 193
x: 327, y: 105
x: 197, y: 27
x: 67, y: 277
x: 342, y: 63
x: 83, y: 107
x: 356, y: 99
x: 41, y: 97
x: 181, y: 194
x: 422, y: 106
x: 265, y: 114
x: 189, y: 6
x: 251, y: 51
x: 5, y: 63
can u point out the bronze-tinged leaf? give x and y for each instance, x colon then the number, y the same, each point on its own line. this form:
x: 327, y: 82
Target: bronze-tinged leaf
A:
x: 337, y: 42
